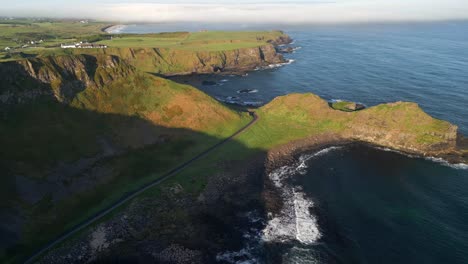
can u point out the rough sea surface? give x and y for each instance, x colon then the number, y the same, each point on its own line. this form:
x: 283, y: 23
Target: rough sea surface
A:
x: 357, y: 204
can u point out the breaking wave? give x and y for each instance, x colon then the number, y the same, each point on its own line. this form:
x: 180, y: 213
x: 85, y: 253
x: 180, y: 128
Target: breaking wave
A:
x: 274, y: 66
x: 115, y: 29
x: 249, y: 253
x: 235, y: 101
x: 294, y: 222
x: 458, y: 166
x: 244, y: 91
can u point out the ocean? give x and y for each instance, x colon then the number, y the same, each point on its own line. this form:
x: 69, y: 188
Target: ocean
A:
x: 357, y: 204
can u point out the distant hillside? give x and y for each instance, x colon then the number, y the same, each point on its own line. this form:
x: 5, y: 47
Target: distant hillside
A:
x: 183, y: 53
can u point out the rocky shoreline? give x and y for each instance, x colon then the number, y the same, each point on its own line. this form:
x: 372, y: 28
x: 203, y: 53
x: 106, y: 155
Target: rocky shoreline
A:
x: 178, y: 227
x: 290, y: 154
x: 287, y: 154
x: 213, y: 221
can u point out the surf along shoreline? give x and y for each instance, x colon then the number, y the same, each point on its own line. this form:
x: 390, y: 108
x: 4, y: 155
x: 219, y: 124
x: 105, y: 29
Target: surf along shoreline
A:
x: 290, y: 156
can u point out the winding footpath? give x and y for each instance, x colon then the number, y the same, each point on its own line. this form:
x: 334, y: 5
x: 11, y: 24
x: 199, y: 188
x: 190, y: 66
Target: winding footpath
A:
x: 135, y: 193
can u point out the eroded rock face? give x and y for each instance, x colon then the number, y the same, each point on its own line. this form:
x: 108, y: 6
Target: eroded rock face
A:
x: 57, y: 77
x: 171, y: 62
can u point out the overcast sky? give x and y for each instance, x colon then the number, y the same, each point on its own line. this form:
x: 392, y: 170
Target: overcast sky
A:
x: 260, y: 11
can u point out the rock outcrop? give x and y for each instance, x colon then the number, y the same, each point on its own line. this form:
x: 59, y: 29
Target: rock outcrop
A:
x: 59, y: 77
x: 169, y: 62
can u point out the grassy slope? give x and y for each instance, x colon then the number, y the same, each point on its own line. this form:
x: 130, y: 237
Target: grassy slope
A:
x: 129, y: 113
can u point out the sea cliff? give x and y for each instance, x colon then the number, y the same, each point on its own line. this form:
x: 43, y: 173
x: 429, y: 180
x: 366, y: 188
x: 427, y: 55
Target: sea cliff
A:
x: 170, y: 61
x: 58, y: 77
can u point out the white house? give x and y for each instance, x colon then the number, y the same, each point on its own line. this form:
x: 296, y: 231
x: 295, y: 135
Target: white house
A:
x: 68, y: 46
x: 7, y: 49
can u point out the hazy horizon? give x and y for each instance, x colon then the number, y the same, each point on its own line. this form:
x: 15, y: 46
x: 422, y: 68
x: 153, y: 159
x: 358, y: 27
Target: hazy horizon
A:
x: 261, y: 11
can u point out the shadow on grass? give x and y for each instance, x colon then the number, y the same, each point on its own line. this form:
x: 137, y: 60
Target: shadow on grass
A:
x: 62, y: 165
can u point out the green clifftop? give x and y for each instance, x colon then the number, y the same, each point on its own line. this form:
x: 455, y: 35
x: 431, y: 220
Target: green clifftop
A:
x: 61, y: 77
x: 183, y: 53
x: 168, y: 61
x: 402, y: 126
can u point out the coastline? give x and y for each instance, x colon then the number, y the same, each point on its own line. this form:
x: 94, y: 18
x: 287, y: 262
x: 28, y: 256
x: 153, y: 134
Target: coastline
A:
x: 280, y: 198
x: 113, y: 29
x: 288, y: 153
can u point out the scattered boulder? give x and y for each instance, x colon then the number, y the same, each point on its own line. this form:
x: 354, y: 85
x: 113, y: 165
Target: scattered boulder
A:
x: 286, y: 50
x: 347, y: 106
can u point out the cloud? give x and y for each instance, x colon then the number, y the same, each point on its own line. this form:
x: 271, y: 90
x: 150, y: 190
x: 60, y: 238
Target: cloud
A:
x: 264, y: 12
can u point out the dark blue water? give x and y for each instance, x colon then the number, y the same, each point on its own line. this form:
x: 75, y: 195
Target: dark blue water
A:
x: 373, y: 206
x: 382, y: 207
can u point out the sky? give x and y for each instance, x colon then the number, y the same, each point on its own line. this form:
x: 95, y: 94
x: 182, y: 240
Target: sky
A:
x: 242, y: 11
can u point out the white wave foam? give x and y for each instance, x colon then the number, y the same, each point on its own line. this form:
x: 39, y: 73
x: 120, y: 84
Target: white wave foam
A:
x: 294, y: 222
x: 335, y: 100
x: 307, y: 231
x: 299, y: 255
x: 247, y: 91
x: 116, y: 29
x: 274, y: 66
x: 224, y: 80
x: 246, y: 255
x: 296, y: 48
x: 252, y: 103
x: 233, y: 257
x: 458, y: 166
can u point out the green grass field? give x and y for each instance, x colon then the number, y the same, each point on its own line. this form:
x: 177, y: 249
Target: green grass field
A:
x: 15, y: 33
x: 197, y: 41
x: 47, y: 35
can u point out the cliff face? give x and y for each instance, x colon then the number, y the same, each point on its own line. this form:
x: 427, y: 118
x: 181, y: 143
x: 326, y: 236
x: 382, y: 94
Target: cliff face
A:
x: 58, y: 77
x: 182, y: 62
